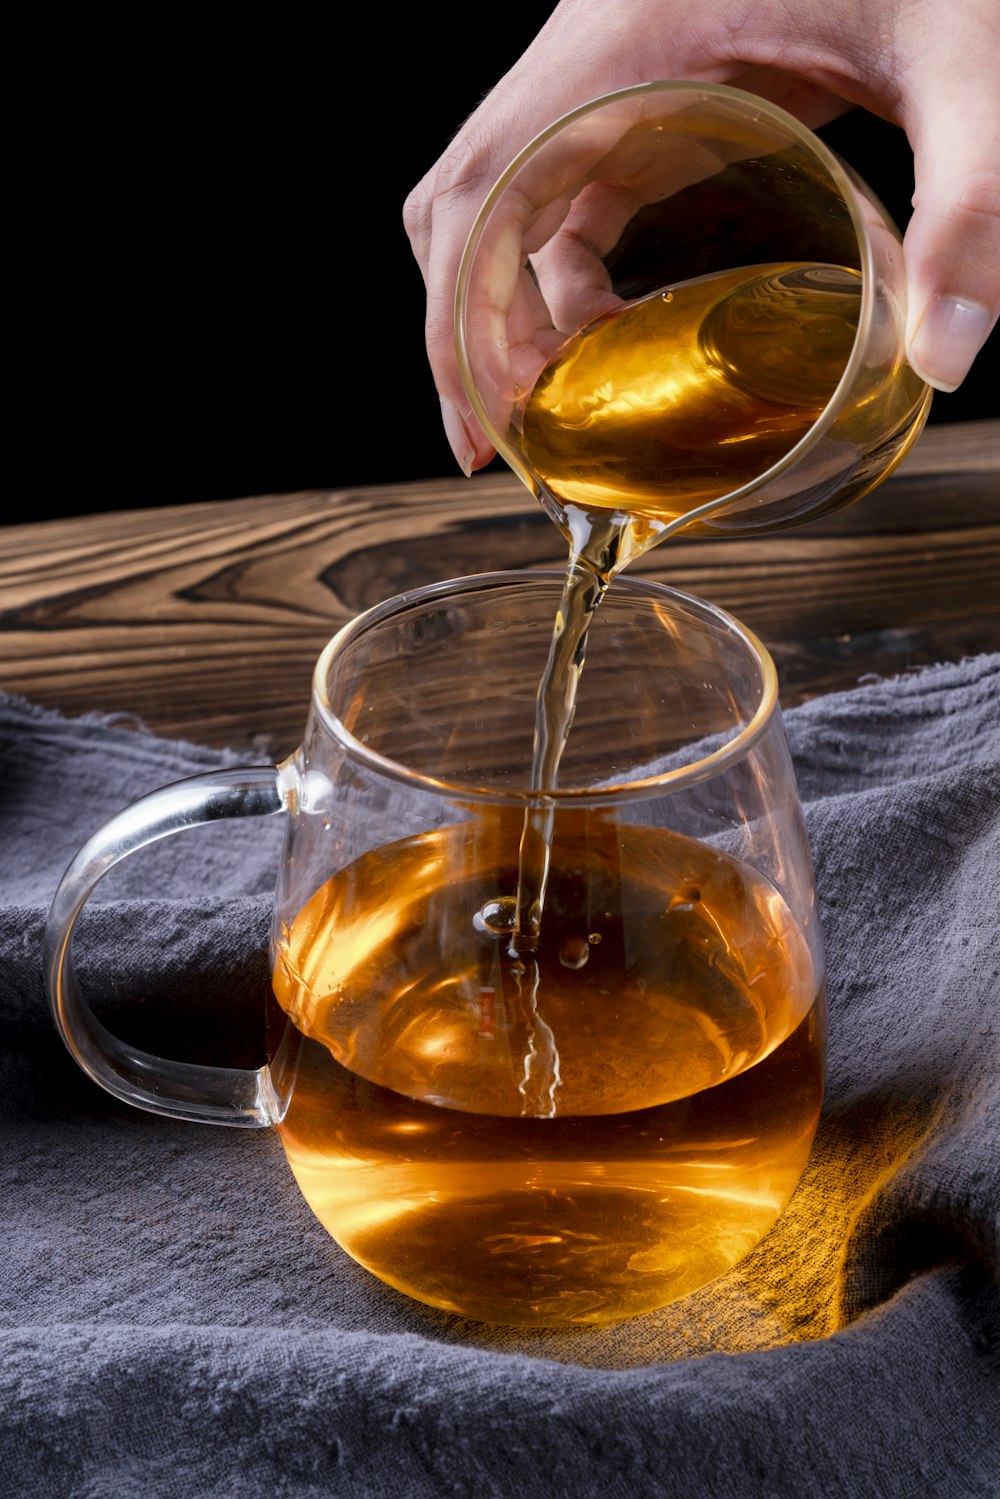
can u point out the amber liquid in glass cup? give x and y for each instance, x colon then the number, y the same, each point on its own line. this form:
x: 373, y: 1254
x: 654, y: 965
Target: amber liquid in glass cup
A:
x: 677, y: 308
x: 590, y: 1147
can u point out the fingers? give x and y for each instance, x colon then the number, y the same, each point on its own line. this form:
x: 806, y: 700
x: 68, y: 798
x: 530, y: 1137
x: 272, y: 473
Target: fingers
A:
x: 440, y: 211
x: 435, y: 218
x: 952, y: 243
x: 562, y: 207
x: 667, y: 144
x: 502, y: 304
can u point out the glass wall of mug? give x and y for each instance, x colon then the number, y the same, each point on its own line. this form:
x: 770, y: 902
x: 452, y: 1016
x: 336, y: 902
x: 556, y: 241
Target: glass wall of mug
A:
x: 570, y: 1121
x: 678, y: 305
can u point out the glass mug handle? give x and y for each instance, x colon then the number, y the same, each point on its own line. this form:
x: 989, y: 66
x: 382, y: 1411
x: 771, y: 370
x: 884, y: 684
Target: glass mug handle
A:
x: 181, y: 1090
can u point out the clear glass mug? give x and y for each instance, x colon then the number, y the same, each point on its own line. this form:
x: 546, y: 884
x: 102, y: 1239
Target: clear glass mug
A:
x: 678, y: 308
x: 574, y: 1136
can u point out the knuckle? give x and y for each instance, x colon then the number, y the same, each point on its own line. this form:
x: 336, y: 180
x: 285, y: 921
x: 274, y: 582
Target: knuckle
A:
x: 974, y: 192
x: 462, y: 172
x: 977, y: 193
x: 417, y: 207
x: 465, y: 171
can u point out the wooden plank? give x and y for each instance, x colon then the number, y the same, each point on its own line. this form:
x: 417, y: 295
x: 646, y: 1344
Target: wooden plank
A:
x: 205, y: 620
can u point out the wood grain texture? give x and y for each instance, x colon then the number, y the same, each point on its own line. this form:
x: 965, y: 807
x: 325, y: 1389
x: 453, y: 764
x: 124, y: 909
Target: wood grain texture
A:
x: 204, y: 621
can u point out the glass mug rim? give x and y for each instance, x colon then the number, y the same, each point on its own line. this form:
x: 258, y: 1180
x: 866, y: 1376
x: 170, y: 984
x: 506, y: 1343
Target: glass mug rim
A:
x: 805, y: 137
x: 711, y: 764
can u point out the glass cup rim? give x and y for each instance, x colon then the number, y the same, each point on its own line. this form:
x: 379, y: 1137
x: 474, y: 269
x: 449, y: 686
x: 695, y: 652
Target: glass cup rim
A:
x: 640, y: 789
x: 843, y: 180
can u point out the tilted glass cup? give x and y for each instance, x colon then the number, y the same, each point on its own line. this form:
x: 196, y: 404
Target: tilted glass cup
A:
x: 770, y: 383
x: 574, y: 1136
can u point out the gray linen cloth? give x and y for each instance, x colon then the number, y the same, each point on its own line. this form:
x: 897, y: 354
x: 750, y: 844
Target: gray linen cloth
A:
x: 176, y: 1322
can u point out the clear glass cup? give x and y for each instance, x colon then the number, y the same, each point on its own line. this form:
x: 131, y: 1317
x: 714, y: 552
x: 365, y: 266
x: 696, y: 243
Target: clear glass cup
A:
x: 570, y: 1135
x: 744, y: 296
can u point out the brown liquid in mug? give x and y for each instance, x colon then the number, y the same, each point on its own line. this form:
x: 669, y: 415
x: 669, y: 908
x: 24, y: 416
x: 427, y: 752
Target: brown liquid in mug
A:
x: 581, y: 1141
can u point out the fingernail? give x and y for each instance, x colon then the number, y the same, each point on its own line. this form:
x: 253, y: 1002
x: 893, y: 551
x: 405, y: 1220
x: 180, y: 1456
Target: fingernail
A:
x: 948, y: 338
x: 461, y: 443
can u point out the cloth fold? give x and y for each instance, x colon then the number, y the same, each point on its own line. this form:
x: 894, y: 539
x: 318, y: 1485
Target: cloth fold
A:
x: 174, y: 1321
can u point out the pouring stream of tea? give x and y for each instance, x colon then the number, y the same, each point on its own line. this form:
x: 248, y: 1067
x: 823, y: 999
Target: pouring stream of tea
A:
x: 646, y: 420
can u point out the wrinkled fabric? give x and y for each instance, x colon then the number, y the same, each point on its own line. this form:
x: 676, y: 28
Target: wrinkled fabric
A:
x: 174, y: 1321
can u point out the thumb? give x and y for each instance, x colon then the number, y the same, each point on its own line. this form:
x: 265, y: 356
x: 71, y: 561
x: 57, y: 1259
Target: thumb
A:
x: 952, y: 243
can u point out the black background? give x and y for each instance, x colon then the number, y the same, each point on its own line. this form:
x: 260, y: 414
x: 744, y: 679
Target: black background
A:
x: 219, y: 296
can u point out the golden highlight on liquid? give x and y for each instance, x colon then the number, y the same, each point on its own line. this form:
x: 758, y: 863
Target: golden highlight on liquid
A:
x: 575, y: 1140
x: 692, y: 392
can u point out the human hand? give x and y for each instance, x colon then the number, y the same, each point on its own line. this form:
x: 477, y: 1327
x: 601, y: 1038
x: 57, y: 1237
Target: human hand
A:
x: 933, y: 73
